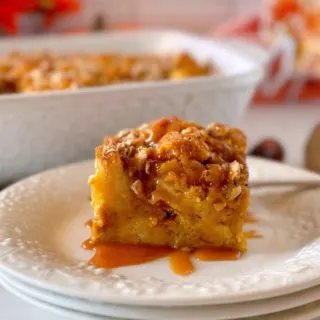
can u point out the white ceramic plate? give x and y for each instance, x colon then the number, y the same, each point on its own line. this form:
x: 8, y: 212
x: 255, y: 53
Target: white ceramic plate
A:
x: 230, y: 311
x: 41, y: 229
x: 62, y: 312
x: 306, y: 312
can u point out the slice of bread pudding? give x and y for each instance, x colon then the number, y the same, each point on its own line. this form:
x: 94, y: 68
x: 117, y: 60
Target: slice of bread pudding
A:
x: 171, y: 183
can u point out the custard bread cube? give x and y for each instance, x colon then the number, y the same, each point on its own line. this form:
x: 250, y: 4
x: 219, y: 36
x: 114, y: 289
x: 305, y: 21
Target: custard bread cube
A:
x: 171, y: 183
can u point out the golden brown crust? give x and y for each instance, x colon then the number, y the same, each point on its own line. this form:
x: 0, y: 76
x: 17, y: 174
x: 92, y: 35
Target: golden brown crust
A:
x: 40, y: 71
x: 188, y: 185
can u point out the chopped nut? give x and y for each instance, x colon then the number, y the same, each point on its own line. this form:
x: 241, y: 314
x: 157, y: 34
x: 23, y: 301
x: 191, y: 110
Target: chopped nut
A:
x: 234, y: 170
x: 153, y: 221
x: 108, y: 149
x: 217, y: 130
x: 148, y: 167
x: 187, y: 130
x: 131, y: 151
x: 123, y: 133
x: 235, y: 192
x: 219, y: 206
x: 137, y: 187
x: 141, y: 157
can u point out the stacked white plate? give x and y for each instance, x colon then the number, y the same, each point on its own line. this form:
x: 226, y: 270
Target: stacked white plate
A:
x: 41, y: 260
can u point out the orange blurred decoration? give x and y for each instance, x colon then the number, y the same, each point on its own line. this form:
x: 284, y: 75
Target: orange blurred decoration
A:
x: 11, y: 10
x: 305, y: 12
x: 302, y: 22
x: 281, y: 9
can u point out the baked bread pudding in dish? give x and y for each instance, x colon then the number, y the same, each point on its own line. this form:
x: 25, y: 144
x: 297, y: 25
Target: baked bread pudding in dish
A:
x: 171, y: 184
x: 43, y: 71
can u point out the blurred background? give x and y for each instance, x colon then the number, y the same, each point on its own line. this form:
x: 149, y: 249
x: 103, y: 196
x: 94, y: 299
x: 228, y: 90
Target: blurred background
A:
x: 283, y: 122
x: 263, y: 21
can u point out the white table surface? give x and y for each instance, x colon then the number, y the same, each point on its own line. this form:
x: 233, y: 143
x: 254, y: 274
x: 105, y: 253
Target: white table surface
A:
x: 290, y: 126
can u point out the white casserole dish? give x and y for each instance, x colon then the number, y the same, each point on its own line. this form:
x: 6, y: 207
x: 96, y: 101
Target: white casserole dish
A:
x: 42, y: 130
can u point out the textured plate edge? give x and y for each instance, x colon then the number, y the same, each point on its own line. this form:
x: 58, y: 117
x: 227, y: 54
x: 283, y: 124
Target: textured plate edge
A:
x: 143, y: 300
x: 309, y: 314
x: 294, y: 297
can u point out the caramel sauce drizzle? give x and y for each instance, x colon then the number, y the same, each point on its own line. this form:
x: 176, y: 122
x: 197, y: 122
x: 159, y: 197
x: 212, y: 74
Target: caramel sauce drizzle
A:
x: 181, y: 263
x: 88, y: 244
x: 252, y: 234
x: 120, y: 255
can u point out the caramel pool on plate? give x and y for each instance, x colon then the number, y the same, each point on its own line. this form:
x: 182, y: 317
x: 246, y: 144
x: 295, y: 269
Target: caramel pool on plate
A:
x: 120, y: 255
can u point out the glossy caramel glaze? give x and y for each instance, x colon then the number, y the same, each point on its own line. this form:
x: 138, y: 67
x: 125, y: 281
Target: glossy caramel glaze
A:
x: 88, y: 244
x: 120, y: 255
x: 181, y: 263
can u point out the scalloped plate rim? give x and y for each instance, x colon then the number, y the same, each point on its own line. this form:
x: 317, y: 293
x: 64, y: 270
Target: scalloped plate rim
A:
x: 304, y: 282
x: 313, y: 311
x: 291, y: 301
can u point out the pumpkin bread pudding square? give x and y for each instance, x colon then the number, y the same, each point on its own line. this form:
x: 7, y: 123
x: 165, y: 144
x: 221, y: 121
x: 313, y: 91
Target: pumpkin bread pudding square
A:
x: 171, y: 183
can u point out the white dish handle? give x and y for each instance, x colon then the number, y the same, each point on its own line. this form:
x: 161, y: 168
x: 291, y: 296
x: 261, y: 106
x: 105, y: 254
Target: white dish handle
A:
x: 285, y: 49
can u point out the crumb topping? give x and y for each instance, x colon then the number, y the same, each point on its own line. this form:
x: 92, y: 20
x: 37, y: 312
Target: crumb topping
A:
x: 173, y: 183
x: 173, y: 148
x: 41, y: 71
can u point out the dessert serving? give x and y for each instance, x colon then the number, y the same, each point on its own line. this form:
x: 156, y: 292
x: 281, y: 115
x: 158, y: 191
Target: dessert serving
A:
x: 170, y: 187
x: 42, y: 71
